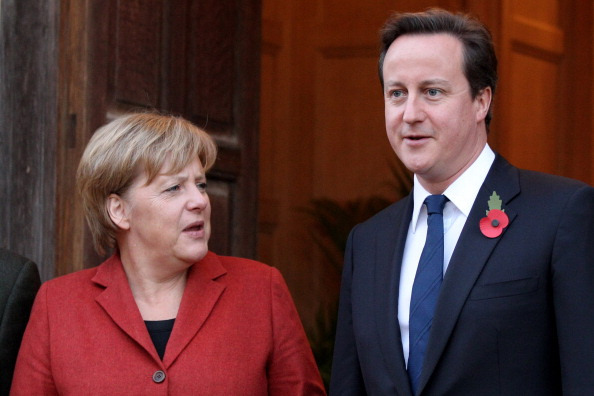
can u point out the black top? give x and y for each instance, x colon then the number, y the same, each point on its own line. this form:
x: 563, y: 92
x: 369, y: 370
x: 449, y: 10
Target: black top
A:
x: 160, y: 330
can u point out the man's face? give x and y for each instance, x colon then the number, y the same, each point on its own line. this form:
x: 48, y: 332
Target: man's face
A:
x: 433, y: 124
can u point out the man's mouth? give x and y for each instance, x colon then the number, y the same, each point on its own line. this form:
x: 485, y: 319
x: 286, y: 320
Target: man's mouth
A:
x: 416, y: 137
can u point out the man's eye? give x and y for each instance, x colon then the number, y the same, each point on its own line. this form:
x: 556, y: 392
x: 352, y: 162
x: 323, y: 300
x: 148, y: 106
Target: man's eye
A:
x: 433, y: 92
x: 173, y: 188
x: 202, y: 186
x: 398, y: 93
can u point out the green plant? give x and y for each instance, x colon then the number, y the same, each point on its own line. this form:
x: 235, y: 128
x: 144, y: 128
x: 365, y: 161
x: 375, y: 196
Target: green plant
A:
x: 332, y: 223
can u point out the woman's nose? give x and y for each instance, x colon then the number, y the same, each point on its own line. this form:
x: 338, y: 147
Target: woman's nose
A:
x: 198, y: 199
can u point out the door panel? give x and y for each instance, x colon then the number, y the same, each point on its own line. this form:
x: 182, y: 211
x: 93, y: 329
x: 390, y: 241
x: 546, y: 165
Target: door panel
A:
x: 531, y: 55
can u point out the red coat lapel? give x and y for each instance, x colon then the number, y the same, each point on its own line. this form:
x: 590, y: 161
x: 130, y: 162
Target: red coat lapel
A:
x: 119, y: 304
x: 203, y: 290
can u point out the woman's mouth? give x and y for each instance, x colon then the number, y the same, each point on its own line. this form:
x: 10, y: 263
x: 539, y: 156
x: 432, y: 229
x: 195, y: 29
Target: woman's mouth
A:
x: 195, y: 230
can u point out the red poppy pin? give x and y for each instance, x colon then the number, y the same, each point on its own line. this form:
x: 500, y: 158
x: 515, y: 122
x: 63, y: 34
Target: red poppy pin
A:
x: 492, y: 226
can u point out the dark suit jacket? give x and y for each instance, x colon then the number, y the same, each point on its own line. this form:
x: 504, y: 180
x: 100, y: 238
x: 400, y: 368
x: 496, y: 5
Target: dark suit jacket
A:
x: 515, y: 315
x: 19, y: 282
x: 237, y: 332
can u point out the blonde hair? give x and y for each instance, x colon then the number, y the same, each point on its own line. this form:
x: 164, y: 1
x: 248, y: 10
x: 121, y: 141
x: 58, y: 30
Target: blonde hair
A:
x: 126, y: 147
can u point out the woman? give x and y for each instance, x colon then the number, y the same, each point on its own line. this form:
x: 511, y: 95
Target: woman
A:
x: 163, y: 315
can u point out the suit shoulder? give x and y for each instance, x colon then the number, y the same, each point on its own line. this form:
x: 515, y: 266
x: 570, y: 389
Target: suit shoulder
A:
x: 549, y: 179
x: 18, y: 276
x: 12, y: 262
x: 547, y: 185
x: 387, y: 215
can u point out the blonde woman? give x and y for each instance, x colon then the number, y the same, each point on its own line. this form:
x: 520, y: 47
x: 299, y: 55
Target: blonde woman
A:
x: 163, y: 315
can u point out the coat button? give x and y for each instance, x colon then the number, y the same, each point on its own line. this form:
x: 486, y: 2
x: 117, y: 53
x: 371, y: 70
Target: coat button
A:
x: 159, y: 376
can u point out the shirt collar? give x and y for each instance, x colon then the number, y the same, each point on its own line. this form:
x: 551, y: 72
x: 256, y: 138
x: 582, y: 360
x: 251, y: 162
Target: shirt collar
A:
x: 463, y: 191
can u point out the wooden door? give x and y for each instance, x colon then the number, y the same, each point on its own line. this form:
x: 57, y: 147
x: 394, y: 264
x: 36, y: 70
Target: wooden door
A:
x: 195, y: 58
x: 28, y: 71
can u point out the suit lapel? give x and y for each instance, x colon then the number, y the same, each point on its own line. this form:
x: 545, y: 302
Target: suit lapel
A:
x: 117, y: 301
x: 470, y: 256
x: 200, y: 297
x: 387, y: 281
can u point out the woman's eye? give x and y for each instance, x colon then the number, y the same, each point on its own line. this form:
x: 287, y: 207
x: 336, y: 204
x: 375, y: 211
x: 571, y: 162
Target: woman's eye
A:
x: 202, y: 186
x: 173, y: 188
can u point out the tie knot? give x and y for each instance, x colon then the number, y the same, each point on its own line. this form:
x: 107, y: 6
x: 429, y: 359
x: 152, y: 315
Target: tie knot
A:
x: 435, y: 203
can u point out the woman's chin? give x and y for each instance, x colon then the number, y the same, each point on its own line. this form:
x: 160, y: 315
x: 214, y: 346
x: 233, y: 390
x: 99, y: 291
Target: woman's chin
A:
x: 196, y: 255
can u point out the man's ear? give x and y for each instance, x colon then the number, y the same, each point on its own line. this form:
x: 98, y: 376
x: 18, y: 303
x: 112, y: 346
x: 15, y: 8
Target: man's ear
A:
x: 116, y: 208
x: 483, y: 102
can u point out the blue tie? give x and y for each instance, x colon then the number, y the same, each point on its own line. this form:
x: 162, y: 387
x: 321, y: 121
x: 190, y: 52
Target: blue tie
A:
x: 426, y: 288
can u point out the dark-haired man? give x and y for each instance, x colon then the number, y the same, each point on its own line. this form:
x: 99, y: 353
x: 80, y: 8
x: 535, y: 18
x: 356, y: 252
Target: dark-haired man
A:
x: 481, y: 282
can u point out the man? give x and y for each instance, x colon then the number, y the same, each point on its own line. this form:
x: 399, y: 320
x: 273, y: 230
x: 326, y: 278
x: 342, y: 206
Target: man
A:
x: 506, y: 305
x: 19, y: 282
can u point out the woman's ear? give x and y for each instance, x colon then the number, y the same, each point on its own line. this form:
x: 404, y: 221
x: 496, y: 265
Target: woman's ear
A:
x: 116, y: 208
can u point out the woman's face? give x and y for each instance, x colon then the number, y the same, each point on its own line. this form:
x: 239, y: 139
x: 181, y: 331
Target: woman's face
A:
x: 169, y: 218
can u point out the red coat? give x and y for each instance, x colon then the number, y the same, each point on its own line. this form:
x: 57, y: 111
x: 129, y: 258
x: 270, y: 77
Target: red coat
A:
x: 237, y: 333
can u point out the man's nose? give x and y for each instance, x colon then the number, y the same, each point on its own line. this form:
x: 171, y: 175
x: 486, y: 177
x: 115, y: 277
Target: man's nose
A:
x: 413, y: 110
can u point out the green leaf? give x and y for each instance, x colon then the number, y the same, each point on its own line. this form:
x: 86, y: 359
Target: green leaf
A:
x: 494, y: 202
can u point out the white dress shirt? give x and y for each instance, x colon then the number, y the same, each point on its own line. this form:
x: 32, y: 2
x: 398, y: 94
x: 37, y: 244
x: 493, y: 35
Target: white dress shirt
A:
x: 461, y: 194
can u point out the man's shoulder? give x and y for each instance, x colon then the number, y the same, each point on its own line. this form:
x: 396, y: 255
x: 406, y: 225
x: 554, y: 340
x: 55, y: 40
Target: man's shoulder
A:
x: 387, y: 217
x: 534, y: 186
x: 550, y: 179
x: 548, y: 186
x: 19, y: 278
x: 533, y: 178
x: 12, y: 262
x: 14, y: 266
